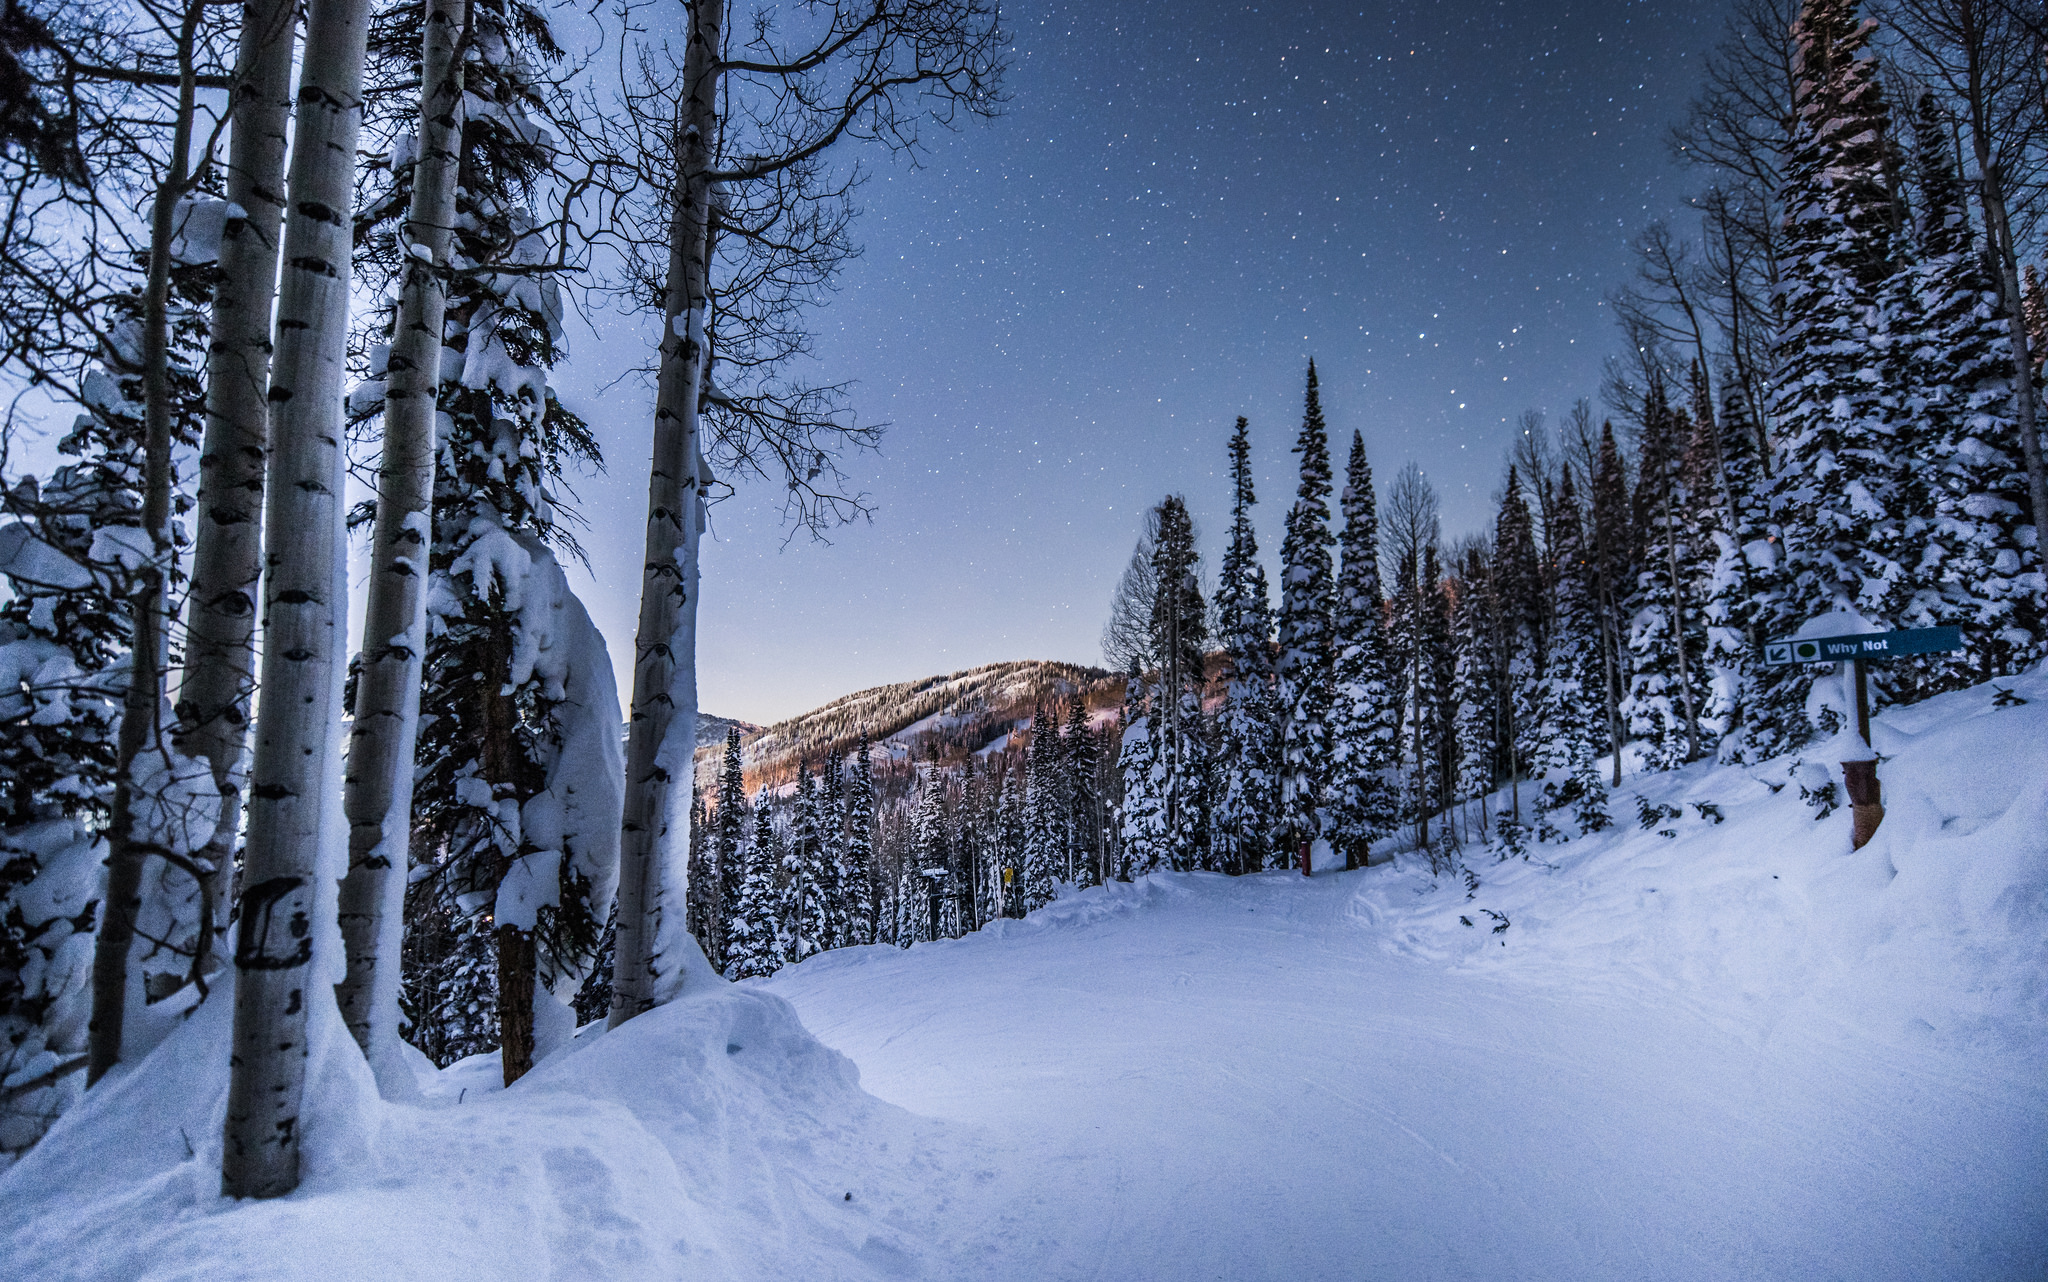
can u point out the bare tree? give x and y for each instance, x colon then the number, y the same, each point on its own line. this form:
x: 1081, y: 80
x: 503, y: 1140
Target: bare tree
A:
x: 1127, y: 637
x: 872, y: 72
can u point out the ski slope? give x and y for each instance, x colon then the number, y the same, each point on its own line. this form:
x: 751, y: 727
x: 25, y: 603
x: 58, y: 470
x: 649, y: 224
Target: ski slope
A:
x: 1721, y: 1047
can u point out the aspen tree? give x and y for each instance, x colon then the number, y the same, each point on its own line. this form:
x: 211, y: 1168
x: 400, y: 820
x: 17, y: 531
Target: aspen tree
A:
x: 297, y: 762
x: 379, y: 775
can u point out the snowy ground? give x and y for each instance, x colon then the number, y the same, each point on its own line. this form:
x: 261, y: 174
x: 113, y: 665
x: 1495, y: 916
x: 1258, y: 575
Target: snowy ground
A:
x: 1736, y: 1051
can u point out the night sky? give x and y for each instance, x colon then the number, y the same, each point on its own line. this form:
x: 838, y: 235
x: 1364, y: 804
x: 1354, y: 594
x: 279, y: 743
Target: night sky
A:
x: 1062, y: 312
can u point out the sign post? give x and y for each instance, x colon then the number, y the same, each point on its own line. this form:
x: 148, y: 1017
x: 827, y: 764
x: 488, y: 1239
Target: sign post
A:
x: 1859, y: 650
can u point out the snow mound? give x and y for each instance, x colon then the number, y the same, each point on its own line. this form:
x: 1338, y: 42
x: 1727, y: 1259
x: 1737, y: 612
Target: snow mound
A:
x: 713, y: 1137
x: 1739, y: 886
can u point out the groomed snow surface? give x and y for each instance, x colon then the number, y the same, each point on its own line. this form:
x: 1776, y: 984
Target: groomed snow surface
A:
x: 1734, y: 1051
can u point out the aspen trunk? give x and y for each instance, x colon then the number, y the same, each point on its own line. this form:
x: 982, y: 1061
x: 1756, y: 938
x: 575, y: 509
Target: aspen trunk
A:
x: 220, y: 641
x: 142, y: 706
x: 661, y: 740
x: 297, y: 760
x: 378, y: 783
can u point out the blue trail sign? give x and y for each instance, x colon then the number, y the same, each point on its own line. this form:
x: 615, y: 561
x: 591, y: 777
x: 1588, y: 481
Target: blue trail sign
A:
x: 1866, y: 646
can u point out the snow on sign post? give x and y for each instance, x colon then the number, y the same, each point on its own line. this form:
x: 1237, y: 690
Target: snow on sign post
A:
x: 1857, y: 649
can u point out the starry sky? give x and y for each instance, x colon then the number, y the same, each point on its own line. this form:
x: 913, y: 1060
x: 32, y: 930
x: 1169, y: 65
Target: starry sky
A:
x: 1062, y: 312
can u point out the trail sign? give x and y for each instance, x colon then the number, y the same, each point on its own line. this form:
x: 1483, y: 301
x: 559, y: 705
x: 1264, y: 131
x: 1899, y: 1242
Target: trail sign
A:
x: 1866, y: 646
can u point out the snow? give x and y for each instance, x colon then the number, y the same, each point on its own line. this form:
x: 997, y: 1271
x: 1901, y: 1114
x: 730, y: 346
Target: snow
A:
x: 1739, y: 1050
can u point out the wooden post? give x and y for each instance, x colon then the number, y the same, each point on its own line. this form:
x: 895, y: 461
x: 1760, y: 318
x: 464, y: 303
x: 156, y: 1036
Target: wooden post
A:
x: 1304, y: 857
x: 1866, y: 807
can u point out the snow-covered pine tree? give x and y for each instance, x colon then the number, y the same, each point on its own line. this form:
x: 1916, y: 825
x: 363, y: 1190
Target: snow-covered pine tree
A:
x: 1837, y: 497
x: 1977, y: 572
x: 969, y: 836
x: 1665, y: 690
x: 804, y: 916
x: 498, y: 600
x: 832, y: 854
x: 703, y: 886
x: 859, y: 877
x: 1247, y: 790
x: 1084, y: 802
x: 1142, y: 831
x: 1361, y: 801
x: 1475, y: 681
x: 1045, y: 845
x: 1429, y: 709
x: 926, y: 880
x: 1518, y: 596
x: 1614, y: 559
x: 1012, y: 826
x: 1732, y: 649
x: 1573, y: 727
x: 1179, y: 634
x: 754, y: 937
x: 64, y: 633
x: 1307, y: 667
x: 732, y: 838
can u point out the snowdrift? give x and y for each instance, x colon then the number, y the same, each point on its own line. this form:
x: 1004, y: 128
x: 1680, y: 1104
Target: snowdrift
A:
x: 1737, y: 886
x: 711, y: 1138
x: 1719, y: 1045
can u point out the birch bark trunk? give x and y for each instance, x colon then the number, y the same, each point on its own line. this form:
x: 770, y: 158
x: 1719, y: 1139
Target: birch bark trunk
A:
x: 662, y: 736
x: 296, y: 764
x: 378, y: 783
x: 142, y: 707
x: 220, y: 642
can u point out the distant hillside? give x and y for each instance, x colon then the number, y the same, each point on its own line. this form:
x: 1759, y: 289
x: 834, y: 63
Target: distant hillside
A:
x: 955, y: 714
x: 711, y: 730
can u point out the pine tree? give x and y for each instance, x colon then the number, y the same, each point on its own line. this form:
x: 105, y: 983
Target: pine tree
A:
x: 859, y: 878
x: 1307, y: 648
x: 1572, y: 731
x: 504, y: 439
x: 753, y: 940
x: 1084, y: 802
x: 1247, y: 749
x: 1362, y: 804
x: 64, y: 634
x: 805, y: 883
x: 1665, y: 692
x: 1179, y: 631
x: 732, y: 836
x: 926, y: 885
x: 832, y: 856
x: 1518, y: 592
x: 1142, y: 828
x: 1475, y: 681
x: 1614, y: 559
x: 1011, y: 839
x: 703, y: 891
x: 1045, y: 848
x: 1974, y: 572
x: 1838, y: 494
x: 1733, y: 647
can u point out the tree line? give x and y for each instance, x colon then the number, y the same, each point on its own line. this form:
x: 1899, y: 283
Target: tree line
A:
x: 1827, y: 405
